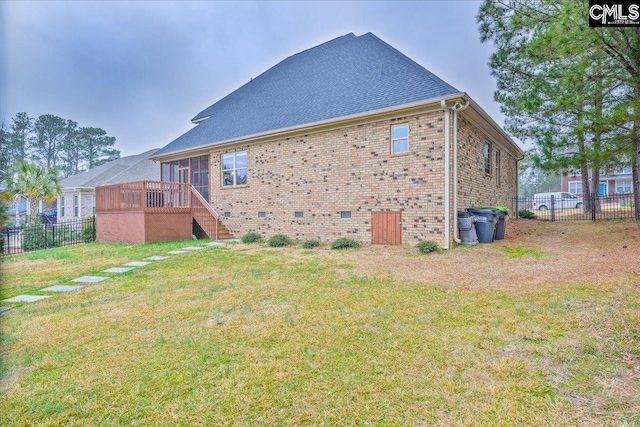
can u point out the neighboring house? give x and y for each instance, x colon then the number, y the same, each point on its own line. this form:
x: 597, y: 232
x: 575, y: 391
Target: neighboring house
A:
x: 77, y: 198
x: 350, y: 138
x: 618, y: 181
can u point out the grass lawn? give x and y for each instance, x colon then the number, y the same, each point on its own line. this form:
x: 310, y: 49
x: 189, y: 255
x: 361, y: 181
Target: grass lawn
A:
x: 542, y: 328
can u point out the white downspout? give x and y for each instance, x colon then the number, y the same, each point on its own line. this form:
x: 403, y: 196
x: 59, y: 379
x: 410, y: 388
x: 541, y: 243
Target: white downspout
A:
x: 457, y: 107
x: 447, y: 159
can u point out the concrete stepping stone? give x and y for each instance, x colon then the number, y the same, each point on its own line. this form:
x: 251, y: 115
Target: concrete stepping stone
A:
x: 89, y: 279
x: 156, y: 258
x: 232, y: 240
x: 3, y: 309
x: 118, y: 270
x: 177, y: 252
x: 136, y: 264
x: 26, y: 298
x: 193, y: 248
x: 61, y: 288
x: 214, y: 244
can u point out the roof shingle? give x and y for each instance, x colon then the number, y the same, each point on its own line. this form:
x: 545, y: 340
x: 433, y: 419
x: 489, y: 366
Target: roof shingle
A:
x: 345, y: 76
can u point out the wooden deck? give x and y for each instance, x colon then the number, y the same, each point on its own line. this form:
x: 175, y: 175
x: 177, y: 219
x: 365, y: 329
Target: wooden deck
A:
x: 153, y: 211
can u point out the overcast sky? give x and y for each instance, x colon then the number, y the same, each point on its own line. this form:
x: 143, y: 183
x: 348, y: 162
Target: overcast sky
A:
x: 142, y: 70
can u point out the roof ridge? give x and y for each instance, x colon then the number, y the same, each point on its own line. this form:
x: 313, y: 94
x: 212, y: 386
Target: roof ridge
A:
x: 198, y: 116
x: 408, y: 60
x: 142, y: 159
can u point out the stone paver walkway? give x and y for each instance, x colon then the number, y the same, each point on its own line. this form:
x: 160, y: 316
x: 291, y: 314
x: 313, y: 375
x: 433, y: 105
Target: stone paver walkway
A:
x: 61, y: 288
x: 89, y: 279
x: 118, y: 270
x: 156, y: 258
x: 26, y: 298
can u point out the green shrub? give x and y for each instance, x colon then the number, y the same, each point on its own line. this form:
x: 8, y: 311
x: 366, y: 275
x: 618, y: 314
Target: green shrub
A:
x: 310, y: 243
x: 526, y: 214
x: 88, y: 233
x: 251, y: 237
x: 345, y: 243
x: 279, y: 240
x: 427, y: 246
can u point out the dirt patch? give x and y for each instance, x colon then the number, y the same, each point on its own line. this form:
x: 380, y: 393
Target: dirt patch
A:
x: 552, y: 253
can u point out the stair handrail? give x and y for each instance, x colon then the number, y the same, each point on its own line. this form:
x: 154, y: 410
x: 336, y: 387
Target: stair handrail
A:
x: 206, y: 205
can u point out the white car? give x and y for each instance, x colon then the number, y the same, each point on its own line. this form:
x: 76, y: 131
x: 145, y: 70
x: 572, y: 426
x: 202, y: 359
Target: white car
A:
x: 560, y: 200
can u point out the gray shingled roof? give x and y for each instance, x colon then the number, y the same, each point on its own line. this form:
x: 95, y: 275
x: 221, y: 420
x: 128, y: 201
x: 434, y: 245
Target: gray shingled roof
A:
x: 345, y: 76
x: 124, y: 169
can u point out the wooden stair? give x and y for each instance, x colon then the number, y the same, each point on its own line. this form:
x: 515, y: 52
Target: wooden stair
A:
x: 207, y: 217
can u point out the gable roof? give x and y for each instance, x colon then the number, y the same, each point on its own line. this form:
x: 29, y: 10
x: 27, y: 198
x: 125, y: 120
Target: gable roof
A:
x: 124, y: 169
x: 345, y: 76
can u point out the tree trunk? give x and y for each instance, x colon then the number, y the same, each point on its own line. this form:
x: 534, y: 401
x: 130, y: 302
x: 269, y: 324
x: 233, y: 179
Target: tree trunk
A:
x: 33, y: 207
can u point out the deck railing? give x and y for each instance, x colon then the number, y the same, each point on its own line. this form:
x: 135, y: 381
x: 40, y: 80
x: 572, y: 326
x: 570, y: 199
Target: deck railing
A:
x: 158, y: 196
x: 206, y: 216
x: 144, y: 196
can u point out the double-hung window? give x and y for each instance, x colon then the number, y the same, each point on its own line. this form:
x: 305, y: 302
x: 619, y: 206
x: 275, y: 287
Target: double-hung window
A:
x: 76, y: 207
x: 62, y: 206
x: 487, y: 157
x: 234, y: 169
x: 575, y: 187
x: 400, y: 138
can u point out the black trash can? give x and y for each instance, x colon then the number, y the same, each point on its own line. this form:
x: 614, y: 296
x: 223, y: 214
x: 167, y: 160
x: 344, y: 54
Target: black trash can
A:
x: 501, y: 225
x: 486, y: 220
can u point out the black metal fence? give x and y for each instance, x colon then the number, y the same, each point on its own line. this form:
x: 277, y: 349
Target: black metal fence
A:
x: 44, y: 234
x: 570, y: 207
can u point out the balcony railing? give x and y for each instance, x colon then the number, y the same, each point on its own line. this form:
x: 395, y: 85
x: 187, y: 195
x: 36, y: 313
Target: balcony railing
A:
x: 144, y: 196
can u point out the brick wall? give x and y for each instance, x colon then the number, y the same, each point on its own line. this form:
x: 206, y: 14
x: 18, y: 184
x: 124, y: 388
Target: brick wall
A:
x: 351, y: 169
x: 475, y: 187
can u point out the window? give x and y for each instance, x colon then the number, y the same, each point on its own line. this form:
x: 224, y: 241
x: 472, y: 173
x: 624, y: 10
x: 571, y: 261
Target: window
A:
x: 195, y: 169
x: 227, y: 214
x: 623, y: 187
x: 75, y: 205
x: 487, y: 157
x: 93, y: 205
x: 626, y: 170
x: 299, y: 214
x: 62, y: 206
x: 575, y: 187
x: 400, y: 139
x: 345, y: 214
x: 262, y: 214
x: 234, y: 169
x: 497, y: 168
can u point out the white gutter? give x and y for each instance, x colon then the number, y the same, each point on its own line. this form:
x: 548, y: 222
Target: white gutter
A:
x: 457, y: 107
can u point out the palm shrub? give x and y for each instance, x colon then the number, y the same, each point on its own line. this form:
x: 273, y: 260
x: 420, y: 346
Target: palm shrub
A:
x: 251, y: 237
x: 345, y: 243
x: 279, y: 240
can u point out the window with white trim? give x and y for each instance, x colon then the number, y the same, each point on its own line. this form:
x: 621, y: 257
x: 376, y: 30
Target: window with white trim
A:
x: 93, y: 205
x: 575, y: 187
x: 62, y: 206
x: 75, y: 206
x: 497, y: 168
x: 234, y: 169
x: 487, y: 157
x: 400, y: 138
x: 623, y: 187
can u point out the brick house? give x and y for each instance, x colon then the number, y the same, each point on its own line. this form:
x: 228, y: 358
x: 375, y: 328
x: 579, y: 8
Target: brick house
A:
x: 617, y: 181
x: 349, y: 138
